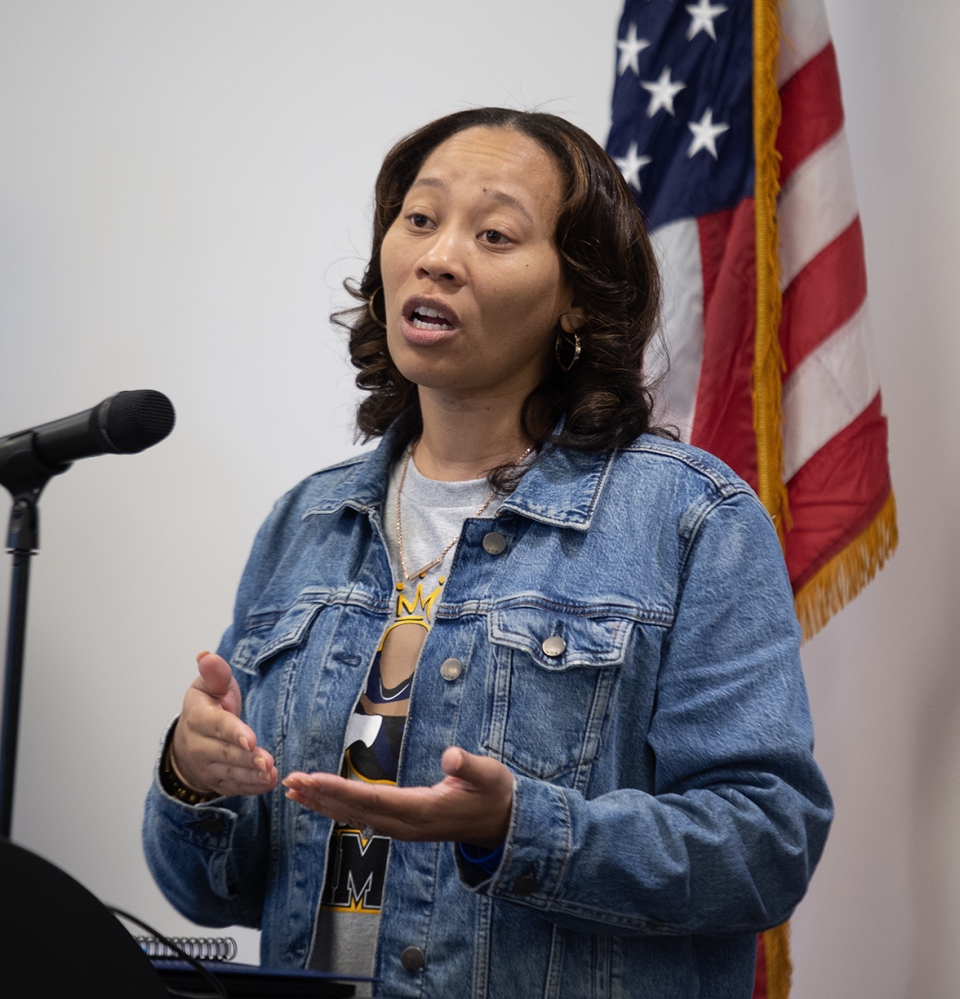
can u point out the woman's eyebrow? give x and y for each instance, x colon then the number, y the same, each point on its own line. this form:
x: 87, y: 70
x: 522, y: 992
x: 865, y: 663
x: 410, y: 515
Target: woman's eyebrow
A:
x: 500, y: 197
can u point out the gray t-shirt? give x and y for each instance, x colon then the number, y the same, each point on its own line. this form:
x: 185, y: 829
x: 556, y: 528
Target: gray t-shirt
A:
x: 433, y: 513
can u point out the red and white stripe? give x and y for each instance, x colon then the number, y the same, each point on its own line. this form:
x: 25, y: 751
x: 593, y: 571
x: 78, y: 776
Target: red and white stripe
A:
x: 833, y: 431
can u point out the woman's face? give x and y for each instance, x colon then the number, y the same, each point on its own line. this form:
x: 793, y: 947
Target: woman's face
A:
x: 472, y: 279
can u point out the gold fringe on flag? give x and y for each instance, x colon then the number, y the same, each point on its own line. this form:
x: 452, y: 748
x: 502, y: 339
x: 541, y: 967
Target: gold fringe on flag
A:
x: 768, y: 364
x: 776, y: 951
x: 847, y: 573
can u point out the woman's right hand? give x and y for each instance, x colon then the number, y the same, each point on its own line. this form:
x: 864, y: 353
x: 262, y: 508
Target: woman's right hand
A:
x: 212, y: 748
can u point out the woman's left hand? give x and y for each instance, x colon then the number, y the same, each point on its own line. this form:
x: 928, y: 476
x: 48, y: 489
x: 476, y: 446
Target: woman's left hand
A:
x: 470, y: 805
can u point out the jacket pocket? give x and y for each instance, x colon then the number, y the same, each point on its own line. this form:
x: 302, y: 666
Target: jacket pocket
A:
x: 553, y: 676
x: 269, y: 632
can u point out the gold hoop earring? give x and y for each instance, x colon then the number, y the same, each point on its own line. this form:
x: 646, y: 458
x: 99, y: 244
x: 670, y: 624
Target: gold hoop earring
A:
x: 576, y: 351
x: 371, y: 312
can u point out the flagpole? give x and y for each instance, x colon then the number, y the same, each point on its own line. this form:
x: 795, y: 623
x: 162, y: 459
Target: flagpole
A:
x: 768, y: 364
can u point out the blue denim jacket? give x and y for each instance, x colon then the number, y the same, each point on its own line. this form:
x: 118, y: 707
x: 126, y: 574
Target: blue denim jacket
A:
x: 666, y: 802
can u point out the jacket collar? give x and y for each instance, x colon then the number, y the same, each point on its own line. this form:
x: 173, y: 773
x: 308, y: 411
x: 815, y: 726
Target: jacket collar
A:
x: 562, y: 488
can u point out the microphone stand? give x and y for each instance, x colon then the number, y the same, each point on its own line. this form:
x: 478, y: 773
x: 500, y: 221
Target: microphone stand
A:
x: 24, y: 475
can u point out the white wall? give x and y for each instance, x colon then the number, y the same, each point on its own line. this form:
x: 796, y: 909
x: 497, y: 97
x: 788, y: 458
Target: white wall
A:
x: 182, y: 188
x: 882, y: 918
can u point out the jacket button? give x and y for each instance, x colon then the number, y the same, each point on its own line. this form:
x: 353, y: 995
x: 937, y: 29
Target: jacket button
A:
x: 494, y: 543
x: 526, y: 884
x: 413, y: 958
x: 553, y: 646
x: 450, y: 669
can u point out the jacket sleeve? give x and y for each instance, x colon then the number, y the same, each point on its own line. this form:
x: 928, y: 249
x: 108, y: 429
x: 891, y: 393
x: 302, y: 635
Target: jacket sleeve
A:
x: 727, y: 838
x: 209, y: 860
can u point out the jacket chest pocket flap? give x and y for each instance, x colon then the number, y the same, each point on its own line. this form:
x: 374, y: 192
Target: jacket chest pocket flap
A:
x: 547, y: 712
x: 270, y: 632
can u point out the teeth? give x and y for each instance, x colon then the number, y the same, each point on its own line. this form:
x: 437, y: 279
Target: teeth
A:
x: 417, y: 324
x: 423, y: 318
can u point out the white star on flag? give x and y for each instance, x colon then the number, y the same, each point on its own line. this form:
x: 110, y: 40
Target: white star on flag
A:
x: 631, y: 165
x: 662, y: 92
x: 705, y: 134
x: 701, y: 18
x: 630, y: 47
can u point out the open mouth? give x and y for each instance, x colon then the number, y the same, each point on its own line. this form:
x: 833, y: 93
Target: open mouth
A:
x: 432, y: 315
x: 429, y: 319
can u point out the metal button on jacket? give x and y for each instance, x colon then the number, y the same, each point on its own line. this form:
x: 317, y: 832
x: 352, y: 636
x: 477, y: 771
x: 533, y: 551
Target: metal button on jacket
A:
x: 494, y: 543
x: 526, y: 884
x: 413, y: 958
x: 450, y: 669
x: 553, y: 646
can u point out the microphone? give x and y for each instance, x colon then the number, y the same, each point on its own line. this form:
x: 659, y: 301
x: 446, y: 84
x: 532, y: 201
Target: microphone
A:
x: 125, y: 423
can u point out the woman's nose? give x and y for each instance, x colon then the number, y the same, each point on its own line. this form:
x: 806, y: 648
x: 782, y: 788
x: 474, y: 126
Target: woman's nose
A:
x: 443, y: 258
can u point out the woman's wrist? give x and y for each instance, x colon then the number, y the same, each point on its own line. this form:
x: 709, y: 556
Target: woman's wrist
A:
x: 173, y: 781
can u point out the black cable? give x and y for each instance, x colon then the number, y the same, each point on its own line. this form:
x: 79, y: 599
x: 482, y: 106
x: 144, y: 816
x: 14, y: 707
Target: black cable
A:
x: 209, y: 976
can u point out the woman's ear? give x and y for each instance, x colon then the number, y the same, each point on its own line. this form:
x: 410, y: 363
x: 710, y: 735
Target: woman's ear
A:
x: 571, y: 321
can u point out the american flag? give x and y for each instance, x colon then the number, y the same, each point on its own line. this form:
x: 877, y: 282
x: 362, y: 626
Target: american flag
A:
x: 687, y: 118
x: 683, y: 136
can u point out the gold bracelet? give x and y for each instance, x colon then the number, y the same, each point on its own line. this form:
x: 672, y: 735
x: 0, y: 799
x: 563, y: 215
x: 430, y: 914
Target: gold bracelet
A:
x: 173, y: 783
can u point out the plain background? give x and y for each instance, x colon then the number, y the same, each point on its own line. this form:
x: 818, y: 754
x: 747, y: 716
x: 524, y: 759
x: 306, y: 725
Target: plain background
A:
x: 184, y: 186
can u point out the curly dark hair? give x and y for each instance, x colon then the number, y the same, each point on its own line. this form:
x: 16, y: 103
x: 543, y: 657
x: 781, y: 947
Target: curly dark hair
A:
x: 607, y: 261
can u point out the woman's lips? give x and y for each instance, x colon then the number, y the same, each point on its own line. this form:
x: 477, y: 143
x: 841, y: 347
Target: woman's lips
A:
x: 428, y: 321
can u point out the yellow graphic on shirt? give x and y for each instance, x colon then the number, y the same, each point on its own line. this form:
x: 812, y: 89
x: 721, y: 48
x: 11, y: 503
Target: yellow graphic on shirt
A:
x: 356, y: 866
x: 400, y: 646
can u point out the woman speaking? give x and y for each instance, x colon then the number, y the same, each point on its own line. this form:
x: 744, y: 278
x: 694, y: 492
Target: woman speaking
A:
x: 512, y: 705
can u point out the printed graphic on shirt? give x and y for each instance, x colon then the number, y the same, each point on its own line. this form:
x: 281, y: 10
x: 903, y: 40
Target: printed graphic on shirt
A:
x: 357, y: 858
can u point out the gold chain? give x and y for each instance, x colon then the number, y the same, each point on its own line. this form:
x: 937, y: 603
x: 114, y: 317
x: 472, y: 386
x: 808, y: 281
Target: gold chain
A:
x: 410, y: 576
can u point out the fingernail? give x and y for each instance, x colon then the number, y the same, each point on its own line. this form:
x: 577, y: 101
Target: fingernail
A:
x: 200, y: 655
x: 261, y: 763
x: 244, y: 743
x: 264, y: 778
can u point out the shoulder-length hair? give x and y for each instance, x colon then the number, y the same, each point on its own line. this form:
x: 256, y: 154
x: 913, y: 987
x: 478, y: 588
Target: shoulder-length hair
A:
x: 607, y: 261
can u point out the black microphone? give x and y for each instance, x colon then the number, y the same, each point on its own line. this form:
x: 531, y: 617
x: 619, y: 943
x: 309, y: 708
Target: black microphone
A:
x: 125, y: 423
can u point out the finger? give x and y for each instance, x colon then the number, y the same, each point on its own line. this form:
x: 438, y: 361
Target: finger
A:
x: 209, y: 748
x: 397, y: 812
x: 205, y: 750
x: 230, y: 781
x: 215, y: 674
x: 209, y: 764
x: 206, y: 717
x: 480, y: 772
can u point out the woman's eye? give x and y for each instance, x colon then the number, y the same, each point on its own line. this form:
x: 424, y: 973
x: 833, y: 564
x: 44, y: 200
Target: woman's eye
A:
x: 419, y: 221
x: 497, y: 238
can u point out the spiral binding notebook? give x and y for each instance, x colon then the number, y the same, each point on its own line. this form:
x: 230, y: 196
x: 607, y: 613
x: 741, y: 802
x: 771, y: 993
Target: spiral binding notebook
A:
x: 199, y: 948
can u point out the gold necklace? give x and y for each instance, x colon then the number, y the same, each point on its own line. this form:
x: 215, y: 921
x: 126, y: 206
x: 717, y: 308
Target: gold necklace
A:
x: 410, y: 576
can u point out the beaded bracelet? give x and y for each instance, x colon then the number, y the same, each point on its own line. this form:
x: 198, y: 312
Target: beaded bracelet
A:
x: 171, y: 780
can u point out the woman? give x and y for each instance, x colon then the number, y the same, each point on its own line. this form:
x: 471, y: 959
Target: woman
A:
x: 530, y: 671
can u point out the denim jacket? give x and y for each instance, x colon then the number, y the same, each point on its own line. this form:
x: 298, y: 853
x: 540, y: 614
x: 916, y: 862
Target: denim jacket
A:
x: 666, y: 803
